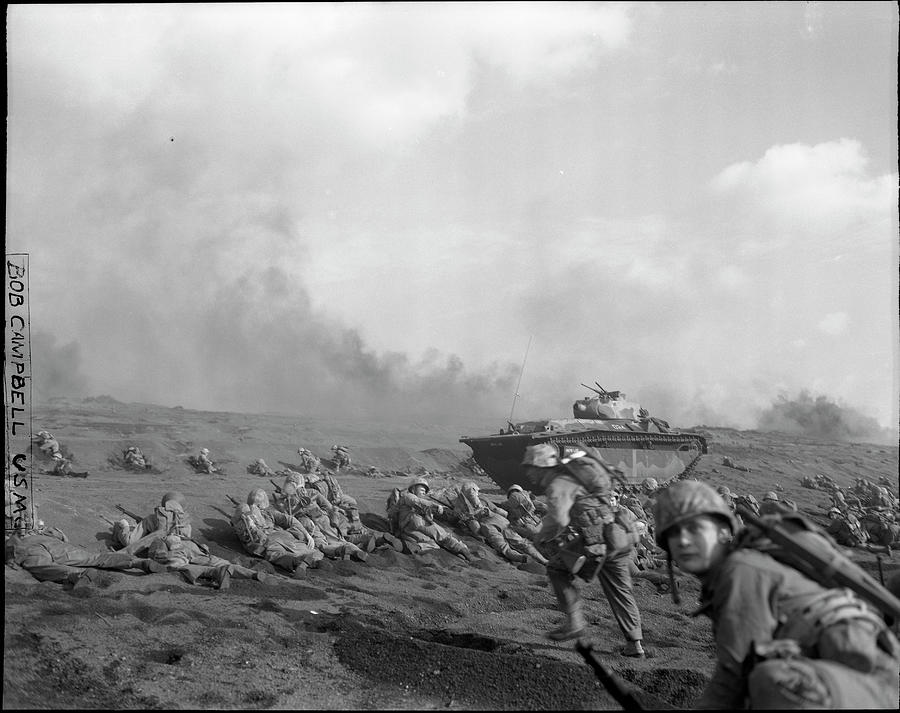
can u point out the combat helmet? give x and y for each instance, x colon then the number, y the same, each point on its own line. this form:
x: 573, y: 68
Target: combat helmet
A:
x: 650, y: 484
x: 771, y: 495
x: 258, y: 493
x: 515, y: 487
x: 682, y: 501
x: 541, y: 455
x: 296, y: 479
x: 172, y: 495
x: 419, y: 481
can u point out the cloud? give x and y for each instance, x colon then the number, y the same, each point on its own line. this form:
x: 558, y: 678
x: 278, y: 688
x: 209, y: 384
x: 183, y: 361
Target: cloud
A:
x: 802, y: 188
x: 834, y: 323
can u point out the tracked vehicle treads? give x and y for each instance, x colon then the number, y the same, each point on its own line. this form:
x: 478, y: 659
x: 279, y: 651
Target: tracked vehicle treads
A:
x: 628, y: 437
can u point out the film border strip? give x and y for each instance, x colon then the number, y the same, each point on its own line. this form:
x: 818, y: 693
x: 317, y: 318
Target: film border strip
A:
x: 17, y: 395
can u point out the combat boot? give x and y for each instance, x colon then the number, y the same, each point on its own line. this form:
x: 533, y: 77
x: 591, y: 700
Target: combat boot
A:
x: 573, y: 627
x: 634, y: 649
x: 512, y: 556
x: 149, y: 566
x: 355, y: 553
x: 223, y: 576
x: 388, y: 540
x: 369, y: 544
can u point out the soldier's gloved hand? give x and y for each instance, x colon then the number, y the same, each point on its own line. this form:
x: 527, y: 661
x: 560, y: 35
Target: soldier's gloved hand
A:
x: 439, y: 509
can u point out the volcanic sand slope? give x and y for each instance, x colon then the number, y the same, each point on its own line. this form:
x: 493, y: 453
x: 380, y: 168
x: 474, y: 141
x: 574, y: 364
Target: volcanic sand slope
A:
x: 399, y: 631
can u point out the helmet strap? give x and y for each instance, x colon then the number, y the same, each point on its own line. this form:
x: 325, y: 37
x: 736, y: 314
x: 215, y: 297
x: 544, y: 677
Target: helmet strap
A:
x: 673, y: 585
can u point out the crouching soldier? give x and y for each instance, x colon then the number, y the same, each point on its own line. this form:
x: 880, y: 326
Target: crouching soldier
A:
x: 168, y: 518
x: 846, y: 529
x: 581, y: 536
x: 47, y: 444
x: 202, y: 462
x: 783, y: 640
x: 308, y: 461
x: 134, y: 458
x: 341, y: 457
x: 273, y: 535
x: 413, y: 514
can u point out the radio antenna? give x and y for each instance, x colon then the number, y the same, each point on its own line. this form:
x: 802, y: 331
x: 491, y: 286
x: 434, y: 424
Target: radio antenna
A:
x: 516, y: 396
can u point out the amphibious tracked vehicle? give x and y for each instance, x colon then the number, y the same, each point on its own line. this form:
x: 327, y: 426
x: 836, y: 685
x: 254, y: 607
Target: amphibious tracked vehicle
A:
x: 640, y: 445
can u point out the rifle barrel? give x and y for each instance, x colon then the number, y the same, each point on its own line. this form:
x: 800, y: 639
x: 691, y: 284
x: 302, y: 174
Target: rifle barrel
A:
x: 617, y: 688
x: 129, y: 513
x: 863, y: 584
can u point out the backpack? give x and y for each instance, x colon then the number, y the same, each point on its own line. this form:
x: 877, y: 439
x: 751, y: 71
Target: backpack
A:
x: 748, y: 502
x: 793, y: 540
x: 591, y: 471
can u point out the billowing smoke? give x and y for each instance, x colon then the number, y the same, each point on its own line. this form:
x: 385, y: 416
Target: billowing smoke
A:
x: 264, y: 345
x: 56, y: 368
x: 819, y: 417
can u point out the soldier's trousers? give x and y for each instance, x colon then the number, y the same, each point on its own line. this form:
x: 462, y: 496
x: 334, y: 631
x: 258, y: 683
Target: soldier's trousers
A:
x: 615, y: 579
x: 59, y: 566
x: 196, y: 563
x: 443, y: 538
x: 507, y: 542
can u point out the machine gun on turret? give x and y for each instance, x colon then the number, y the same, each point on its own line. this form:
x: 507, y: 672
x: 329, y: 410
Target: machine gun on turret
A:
x: 603, y: 393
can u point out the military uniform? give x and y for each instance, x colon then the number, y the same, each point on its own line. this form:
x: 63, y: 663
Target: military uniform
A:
x: 846, y: 530
x: 260, y: 468
x: 748, y: 598
x: 51, y: 559
x: 782, y: 639
x: 313, y: 511
x: 488, y: 521
x: 414, y: 516
x: 274, y: 536
x: 524, y: 513
x: 577, y: 537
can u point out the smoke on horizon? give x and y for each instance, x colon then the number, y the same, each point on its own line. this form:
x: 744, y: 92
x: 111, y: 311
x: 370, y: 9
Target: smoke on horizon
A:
x: 820, y: 417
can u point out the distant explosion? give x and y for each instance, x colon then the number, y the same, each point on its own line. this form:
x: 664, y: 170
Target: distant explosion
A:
x: 819, y: 417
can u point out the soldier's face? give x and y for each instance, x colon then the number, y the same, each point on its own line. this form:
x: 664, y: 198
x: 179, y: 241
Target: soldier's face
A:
x: 419, y: 491
x: 699, y: 544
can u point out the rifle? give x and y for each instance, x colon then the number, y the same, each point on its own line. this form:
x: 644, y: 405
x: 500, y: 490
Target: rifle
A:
x: 618, y: 688
x: 136, y: 518
x: 277, y: 486
x: 233, y: 501
x: 829, y: 567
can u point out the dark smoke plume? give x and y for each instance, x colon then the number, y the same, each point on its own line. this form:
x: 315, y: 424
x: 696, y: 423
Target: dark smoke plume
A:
x: 818, y: 417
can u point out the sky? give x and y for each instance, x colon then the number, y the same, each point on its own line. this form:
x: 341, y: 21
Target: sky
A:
x: 439, y: 211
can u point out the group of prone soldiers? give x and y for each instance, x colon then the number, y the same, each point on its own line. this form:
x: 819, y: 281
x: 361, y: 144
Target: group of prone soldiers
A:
x: 424, y: 520
x: 866, y: 515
